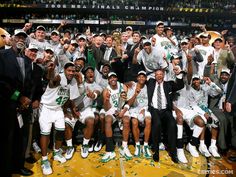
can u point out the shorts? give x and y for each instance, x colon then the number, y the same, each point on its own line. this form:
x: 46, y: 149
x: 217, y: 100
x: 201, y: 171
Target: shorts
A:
x: 135, y: 113
x: 48, y: 117
x: 112, y: 112
x: 85, y: 114
x: 188, y: 116
x: 71, y: 122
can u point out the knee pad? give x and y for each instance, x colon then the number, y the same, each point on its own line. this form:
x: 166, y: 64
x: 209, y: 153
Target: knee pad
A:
x: 59, y: 135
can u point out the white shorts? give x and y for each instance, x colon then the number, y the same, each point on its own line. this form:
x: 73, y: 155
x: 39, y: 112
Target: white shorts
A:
x: 71, y: 122
x: 135, y: 113
x: 111, y: 113
x: 201, y: 113
x: 48, y: 117
x: 188, y: 116
x: 87, y: 113
x: 102, y: 111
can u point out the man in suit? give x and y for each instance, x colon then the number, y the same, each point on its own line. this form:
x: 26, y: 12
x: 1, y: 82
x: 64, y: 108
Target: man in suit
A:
x: 231, y: 103
x: 130, y: 69
x: 12, y: 101
x: 160, y: 106
x: 217, y: 103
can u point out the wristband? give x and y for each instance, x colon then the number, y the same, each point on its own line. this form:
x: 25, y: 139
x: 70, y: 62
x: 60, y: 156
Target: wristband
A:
x: 96, y: 95
x: 127, y: 106
x: 15, y: 95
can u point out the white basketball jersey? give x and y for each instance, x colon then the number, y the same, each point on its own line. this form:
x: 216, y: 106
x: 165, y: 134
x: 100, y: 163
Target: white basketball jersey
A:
x: 54, y: 98
x: 115, y: 95
x: 141, y: 99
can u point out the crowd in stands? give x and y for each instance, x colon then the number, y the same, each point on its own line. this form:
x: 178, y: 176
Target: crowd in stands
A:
x: 219, y: 4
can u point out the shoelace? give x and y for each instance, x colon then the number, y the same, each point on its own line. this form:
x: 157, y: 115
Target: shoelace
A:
x: 46, y: 164
x: 69, y: 150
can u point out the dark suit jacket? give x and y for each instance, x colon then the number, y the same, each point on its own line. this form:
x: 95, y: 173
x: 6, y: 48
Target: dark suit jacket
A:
x: 11, y: 78
x: 169, y: 88
x: 231, y: 90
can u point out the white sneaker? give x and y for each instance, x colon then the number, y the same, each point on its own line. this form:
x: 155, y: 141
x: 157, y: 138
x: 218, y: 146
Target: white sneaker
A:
x: 108, y: 156
x: 69, y: 152
x: 124, y: 151
x: 181, y: 156
x: 36, y: 147
x: 84, y: 151
x: 90, y: 149
x: 98, y: 146
x: 137, y: 152
x: 214, y: 151
x: 146, y: 152
x: 161, y: 146
x: 192, y: 149
x: 59, y: 157
x: 204, y: 151
x: 46, y: 167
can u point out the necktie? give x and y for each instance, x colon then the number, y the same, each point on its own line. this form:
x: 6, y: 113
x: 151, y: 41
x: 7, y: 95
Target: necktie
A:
x: 159, y: 102
x: 106, y: 55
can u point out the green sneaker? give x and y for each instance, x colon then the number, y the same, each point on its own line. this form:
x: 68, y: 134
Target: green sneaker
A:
x: 108, y: 156
x: 146, y: 152
x: 137, y: 152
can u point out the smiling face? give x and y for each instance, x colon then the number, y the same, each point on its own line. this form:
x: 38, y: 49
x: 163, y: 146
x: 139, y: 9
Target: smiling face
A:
x: 196, y: 83
x: 224, y: 77
x: 112, y: 80
x: 159, y: 76
x: 69, y: 72
x: 141, y: 79
x: 105, y: 70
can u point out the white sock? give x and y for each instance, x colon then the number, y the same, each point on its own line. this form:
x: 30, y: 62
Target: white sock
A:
x: 44, y: 157
x: 69, y: 142
x: 124, y: 143
x: 145, y: 144
x: 85, y: 141
x: 137, y: 143
x: 197, y: 131
x: 179, y: 131
x: 56, y: 150
x: 213, y: 142
x: 202, y: 143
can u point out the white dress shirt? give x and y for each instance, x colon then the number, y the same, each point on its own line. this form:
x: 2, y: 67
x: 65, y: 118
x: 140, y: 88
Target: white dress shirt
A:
x: 163, y: 97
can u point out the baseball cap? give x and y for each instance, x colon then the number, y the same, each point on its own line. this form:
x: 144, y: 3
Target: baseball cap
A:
x: 33, y: 47
x: 142, y: 73
x: 218, y: 39
x: 81, y: 57
x: 225, y: 70
x: 175, y: 56
x: 112, y: 74
x: 129, y: 27
x: 205, y: 35
x: 195, y: 76
x: 159, y: 23
x: 48, y: 47
x: 74, y: 42
x: 82, y: 37
x: 20, y: 32
x: 146, y: 42
x: 55, y: 32
x: 168, y: 28
x: 87, y: 68
x: 184, y: 41
x: 107, y: 64
x: 40, y: 27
